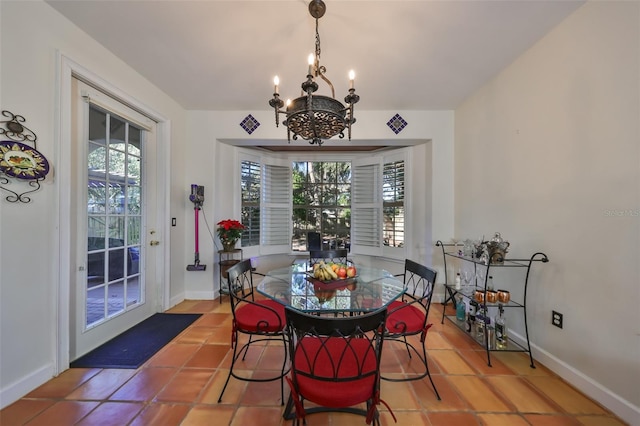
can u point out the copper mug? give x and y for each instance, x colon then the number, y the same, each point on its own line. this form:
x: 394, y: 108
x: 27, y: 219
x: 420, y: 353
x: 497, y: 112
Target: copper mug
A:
x: 504, y: 296
x: 492, y: 296
x: 479, y: 296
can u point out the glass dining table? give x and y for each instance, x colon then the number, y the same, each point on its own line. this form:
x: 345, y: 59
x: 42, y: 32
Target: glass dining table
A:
x: 371, y: 289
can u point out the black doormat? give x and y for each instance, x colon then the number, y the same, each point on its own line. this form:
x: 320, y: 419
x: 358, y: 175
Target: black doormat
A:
x: 135, y: 346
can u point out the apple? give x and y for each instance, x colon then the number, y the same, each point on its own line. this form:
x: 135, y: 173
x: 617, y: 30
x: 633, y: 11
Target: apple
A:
x: 351, y: 271
x: 342, y: 273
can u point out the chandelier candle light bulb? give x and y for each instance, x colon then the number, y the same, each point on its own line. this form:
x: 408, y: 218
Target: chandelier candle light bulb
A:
x: 352, y: 77
x: 276, y: 82
x: 311, y: 61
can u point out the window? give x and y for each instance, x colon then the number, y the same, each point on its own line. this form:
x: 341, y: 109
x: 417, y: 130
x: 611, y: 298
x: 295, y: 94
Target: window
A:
x: 357, y: 204
x: 393, y: 204
x: 321, y: 203
x: 250, y: 208
x: 114, y: 212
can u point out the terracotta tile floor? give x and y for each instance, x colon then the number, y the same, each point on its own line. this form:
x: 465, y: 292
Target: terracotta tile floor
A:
x: 181, y: 383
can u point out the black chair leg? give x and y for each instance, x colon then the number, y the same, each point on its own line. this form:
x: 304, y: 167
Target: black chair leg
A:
x: 423, y: 359
x: 233, y: 361
x: 407, y: 345
x: 246, y: 347
x: 243, y: 351
x: 284, y: 366
x: 426, y: 366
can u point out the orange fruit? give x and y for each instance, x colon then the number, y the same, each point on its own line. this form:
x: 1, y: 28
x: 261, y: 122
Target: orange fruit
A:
x: 334, y: 267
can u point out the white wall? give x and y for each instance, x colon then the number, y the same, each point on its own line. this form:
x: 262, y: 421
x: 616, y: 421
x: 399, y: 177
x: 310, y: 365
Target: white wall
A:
x: 548, y: 154
x: 31, y: 34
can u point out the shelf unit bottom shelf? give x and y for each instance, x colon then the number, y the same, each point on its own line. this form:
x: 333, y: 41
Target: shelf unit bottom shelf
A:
x: 512, y: 346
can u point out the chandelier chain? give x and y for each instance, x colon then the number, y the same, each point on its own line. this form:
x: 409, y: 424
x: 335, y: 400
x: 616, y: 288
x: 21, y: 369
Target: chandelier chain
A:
x: 317, y: 44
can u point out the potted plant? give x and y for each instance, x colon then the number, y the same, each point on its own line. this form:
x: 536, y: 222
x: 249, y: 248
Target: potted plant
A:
x: 229, y: 232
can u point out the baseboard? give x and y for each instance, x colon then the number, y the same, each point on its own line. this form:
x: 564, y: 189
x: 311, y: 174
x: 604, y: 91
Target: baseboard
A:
x: 201, y: 295
x: 176, y: 299
x: 17, y: 390
x: 594, y: 390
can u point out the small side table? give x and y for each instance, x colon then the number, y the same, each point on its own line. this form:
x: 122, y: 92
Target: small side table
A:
x: 226, y: 260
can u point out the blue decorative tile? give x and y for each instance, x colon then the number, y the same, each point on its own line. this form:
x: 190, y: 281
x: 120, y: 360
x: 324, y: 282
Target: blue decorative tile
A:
x: 397, y: 123
x: 250, y: 124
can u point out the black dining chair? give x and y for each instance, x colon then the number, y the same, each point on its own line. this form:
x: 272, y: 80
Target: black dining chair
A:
x: 260, y: 320
x: 314, y: 241
x: 335, y: 256
x: 335, y: 364
x: 408, y: 317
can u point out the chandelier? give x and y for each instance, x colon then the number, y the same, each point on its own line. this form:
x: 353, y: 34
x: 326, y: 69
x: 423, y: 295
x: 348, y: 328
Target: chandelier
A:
x: 316, y: 117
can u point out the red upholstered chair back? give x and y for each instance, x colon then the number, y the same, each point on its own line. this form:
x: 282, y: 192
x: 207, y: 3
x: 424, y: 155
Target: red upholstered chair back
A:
x: 264, y: 316
x: 241, y: 279
x: 335, y: 361
x: 419, y: 281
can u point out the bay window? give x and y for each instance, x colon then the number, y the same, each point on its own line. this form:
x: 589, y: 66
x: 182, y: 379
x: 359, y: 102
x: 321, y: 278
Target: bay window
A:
x: 357, y: 204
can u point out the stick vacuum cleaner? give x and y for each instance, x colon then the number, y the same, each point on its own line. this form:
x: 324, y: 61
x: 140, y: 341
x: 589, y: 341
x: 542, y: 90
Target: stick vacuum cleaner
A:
x: 197, y: 198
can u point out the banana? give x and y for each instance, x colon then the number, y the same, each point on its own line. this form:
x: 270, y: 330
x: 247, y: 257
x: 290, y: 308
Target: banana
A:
x: 331, y: 272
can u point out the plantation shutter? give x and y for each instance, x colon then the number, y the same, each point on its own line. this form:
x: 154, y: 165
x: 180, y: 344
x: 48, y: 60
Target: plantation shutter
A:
x: 395, y: 235
x: 366, y: 206
x: 250, y: 175
x: 275, y: 208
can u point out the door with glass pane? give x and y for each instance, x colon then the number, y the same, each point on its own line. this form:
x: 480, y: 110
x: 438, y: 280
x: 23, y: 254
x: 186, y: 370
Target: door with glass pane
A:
x: 115, y: 169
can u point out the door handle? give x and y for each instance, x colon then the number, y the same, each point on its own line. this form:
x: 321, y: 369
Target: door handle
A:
x: 154, y: 242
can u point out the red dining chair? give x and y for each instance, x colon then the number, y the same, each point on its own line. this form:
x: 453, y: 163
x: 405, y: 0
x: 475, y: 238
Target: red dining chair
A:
x: 261, y: 320
x: 335, y: 364
x: 408, y: 317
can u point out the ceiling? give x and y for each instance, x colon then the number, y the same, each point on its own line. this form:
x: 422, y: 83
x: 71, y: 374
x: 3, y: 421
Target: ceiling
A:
x: 408, y: 55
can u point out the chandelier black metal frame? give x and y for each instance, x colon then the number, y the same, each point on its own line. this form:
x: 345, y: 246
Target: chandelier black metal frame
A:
x: 316, y: 117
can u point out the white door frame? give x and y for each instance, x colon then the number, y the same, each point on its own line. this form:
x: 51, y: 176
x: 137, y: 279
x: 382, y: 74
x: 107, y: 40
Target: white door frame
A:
x: 67, y: 69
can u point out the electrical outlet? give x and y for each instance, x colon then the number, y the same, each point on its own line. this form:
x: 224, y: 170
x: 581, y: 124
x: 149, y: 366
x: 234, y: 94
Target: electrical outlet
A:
x: 556, y: 319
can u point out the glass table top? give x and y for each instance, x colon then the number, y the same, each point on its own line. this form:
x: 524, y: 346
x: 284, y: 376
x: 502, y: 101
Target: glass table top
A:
x: 370, y: 290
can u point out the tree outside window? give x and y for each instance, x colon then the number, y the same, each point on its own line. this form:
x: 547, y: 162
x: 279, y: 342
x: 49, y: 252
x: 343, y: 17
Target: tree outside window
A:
x: 321, y: 203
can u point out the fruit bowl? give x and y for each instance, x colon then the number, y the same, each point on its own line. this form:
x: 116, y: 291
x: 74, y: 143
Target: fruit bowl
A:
x: 332, y: 271
x: 339, y: 284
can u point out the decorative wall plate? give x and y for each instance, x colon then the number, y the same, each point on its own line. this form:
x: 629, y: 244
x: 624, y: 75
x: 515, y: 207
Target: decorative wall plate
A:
x: 22, y: 161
